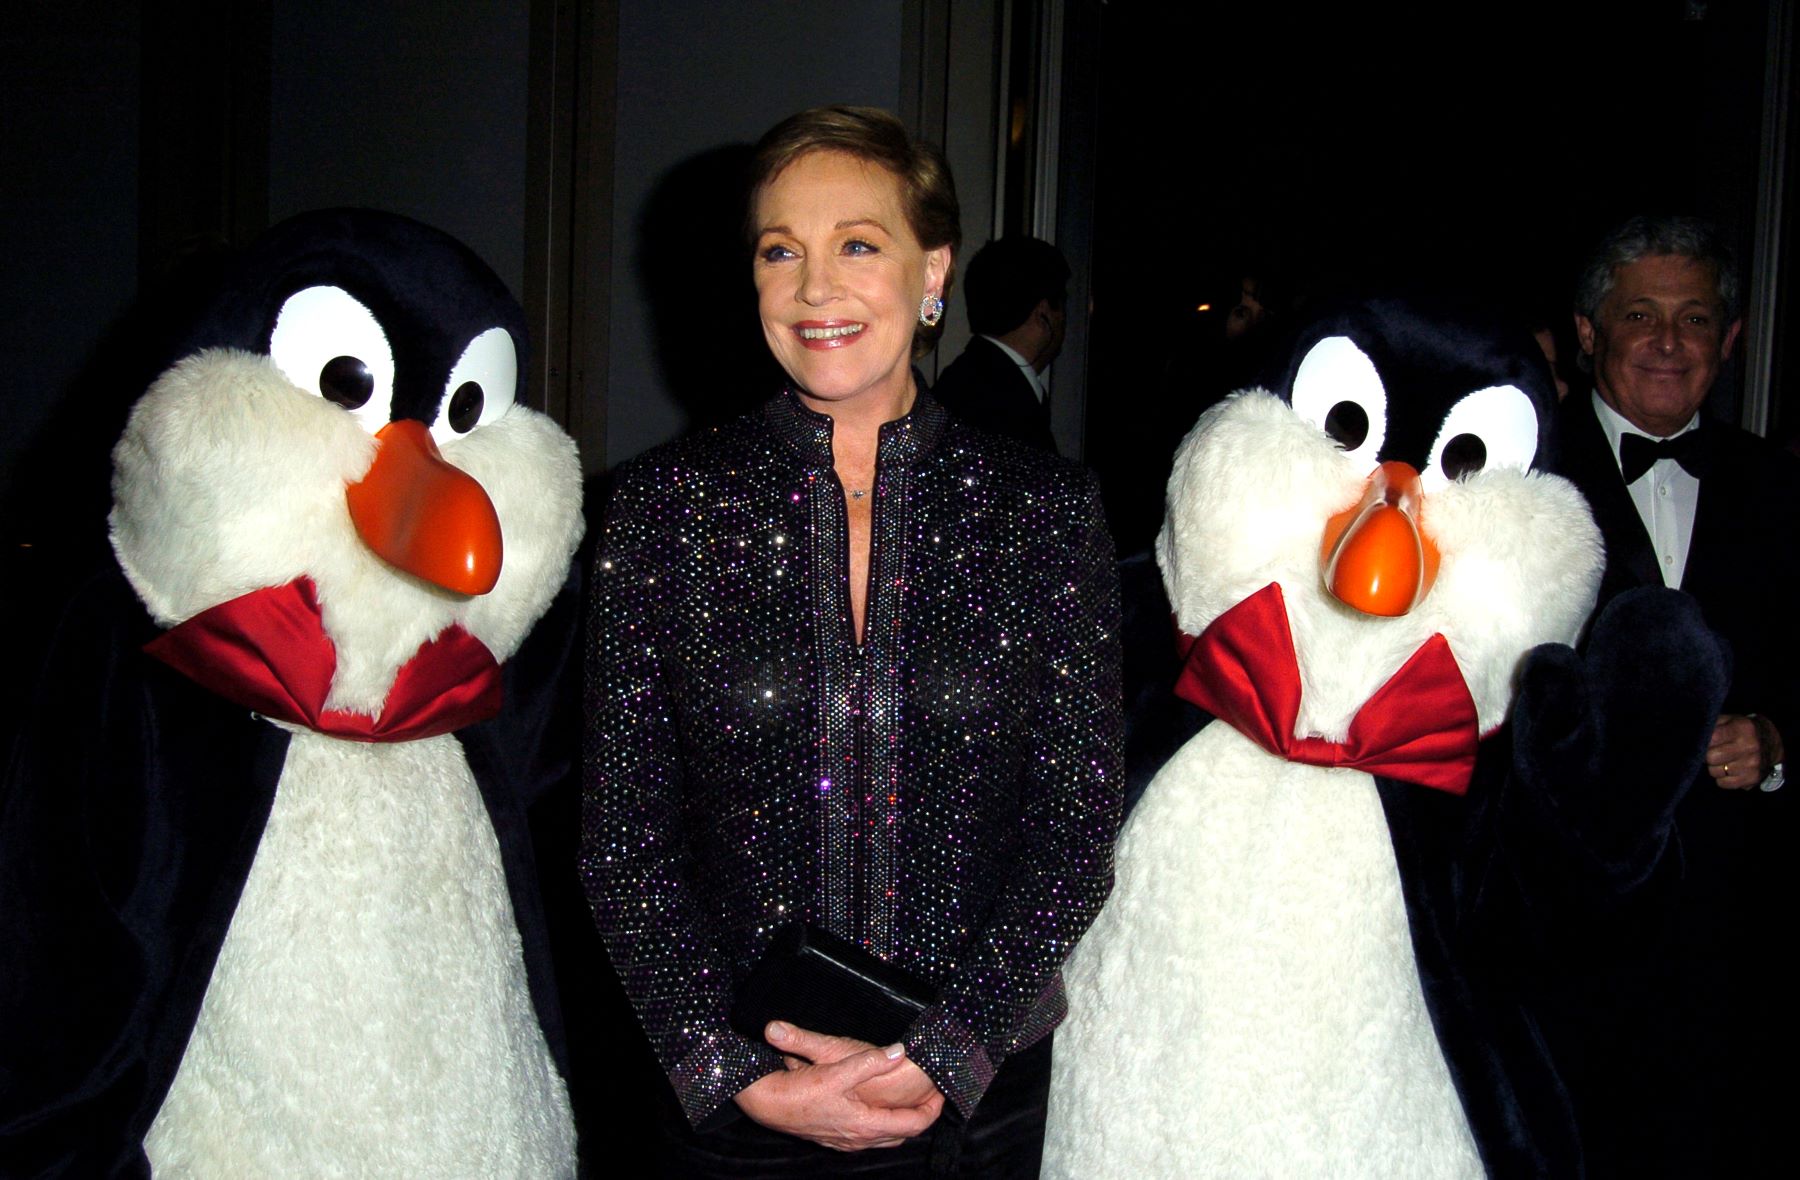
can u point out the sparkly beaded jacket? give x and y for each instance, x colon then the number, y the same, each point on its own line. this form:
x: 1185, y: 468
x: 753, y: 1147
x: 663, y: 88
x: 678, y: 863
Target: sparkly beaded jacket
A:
x: 946, y: 793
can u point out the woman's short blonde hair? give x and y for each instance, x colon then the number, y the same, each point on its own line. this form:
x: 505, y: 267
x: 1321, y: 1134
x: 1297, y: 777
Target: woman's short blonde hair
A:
x: 927, y: 192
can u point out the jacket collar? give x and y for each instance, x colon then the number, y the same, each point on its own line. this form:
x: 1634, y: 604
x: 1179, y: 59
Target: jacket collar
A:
x: 904, y: 440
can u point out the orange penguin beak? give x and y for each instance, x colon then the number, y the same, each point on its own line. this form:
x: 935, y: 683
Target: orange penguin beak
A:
x: 421, y: 515
x: 1374, y: 555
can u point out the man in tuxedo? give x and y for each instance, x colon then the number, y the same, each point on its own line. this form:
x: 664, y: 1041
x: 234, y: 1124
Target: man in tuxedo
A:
x: 1681, y: 1070
x: 1016, y: 290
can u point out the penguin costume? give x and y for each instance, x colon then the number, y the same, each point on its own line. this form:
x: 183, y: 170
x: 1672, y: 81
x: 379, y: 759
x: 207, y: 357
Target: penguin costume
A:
x: 271, y: 906
x: 1337, y: 905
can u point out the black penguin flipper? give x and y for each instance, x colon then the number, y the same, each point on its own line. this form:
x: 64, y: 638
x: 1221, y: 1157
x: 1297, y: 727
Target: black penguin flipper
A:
x: 1606, y: 742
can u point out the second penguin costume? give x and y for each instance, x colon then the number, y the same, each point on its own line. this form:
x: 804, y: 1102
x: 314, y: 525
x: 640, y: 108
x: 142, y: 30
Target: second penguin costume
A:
x: 1334, y: 905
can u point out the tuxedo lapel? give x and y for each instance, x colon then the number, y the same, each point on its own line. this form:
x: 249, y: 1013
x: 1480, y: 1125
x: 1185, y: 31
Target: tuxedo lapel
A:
x: 1020, y: 396
x: 1714, y: 521
x: 985, y: 388
x: 1587, y: 460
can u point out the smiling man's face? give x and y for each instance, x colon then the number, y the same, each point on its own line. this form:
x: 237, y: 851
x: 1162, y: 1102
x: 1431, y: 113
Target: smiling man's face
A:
x: 1658, y: 341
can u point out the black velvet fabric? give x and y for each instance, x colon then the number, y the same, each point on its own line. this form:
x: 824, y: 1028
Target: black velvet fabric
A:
x: 431, y: 295
x: 1607, y: 743
x: 1675, y: 1023
x: 1430, y: 354
x: 1475, y: 972
x: 1157, y: 722
x: 130, y: 812
x: 1556, y: 848
x: 124, y: 844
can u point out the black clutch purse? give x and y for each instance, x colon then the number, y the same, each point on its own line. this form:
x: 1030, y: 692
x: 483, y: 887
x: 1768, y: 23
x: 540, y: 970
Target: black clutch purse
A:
x: 814, y: 979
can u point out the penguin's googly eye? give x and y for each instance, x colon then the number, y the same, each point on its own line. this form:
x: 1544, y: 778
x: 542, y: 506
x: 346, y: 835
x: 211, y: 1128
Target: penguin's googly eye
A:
x: 329, y: 344
x: 1463, y: 455
x: 1337, y: 389
x: 481, y: 386
x: 1348, y: 425
x: 346, y: 381
x: 465, y: 407
x: 1488, y: 430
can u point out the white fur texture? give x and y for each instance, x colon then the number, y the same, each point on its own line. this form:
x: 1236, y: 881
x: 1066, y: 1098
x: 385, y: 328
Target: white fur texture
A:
x: 1248, y: 1004
x: 1252, y: 488
x: 229, y: 479
x: 368, y: 1014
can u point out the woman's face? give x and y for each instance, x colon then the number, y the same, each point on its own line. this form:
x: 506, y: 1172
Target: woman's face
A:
x: 839, y: 277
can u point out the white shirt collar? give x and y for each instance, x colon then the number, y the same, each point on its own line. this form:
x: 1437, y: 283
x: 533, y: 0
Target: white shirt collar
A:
x: 1616, y: 424
x: 1666, y: 498
x: 1037, y: 381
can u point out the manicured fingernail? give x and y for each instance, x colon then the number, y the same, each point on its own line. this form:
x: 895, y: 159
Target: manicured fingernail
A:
x: 778, y: 1030
x: 895, y: 1051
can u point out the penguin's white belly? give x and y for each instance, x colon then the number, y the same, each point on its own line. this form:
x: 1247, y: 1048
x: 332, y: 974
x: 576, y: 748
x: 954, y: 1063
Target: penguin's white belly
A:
x: 1247, y: 1003
x: 369, y: 1013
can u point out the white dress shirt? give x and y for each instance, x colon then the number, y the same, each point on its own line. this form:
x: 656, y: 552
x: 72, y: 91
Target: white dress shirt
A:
x: 1665, y: 496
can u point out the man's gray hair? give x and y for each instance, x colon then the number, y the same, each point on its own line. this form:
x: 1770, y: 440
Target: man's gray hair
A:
x: 1643, y: 237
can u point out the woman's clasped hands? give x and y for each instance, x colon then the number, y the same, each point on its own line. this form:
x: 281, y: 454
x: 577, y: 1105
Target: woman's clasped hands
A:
x: 841, y: 1093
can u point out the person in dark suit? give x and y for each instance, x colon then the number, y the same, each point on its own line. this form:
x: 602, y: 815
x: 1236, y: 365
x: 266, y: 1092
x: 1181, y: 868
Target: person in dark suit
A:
x: 1680, y: 1068
x: 1016, y: 288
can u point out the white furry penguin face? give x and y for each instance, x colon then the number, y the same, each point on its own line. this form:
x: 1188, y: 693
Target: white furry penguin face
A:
x: 1251, y: 487
x: 1257, y: 481
x: 229, y: 479
x: 233, y: 471
x: 532, y: 473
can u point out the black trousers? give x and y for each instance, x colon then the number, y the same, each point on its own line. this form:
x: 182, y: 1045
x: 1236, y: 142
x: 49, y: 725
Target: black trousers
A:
x: 1003, y: 1141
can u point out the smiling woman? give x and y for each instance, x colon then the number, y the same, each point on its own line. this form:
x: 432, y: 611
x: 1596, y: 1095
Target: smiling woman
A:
x: 841, y: 280
x: 853, y: 681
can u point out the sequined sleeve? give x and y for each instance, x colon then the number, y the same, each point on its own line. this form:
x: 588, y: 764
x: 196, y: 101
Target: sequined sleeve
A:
x: 1006, y: 992
x: 633, y: 861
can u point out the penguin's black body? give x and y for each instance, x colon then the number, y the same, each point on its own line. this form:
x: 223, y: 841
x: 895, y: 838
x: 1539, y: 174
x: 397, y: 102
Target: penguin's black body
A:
x: 1313, y: 965
x: 253, y: 939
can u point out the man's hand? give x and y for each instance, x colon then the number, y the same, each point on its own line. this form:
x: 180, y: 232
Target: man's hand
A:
x: 823, y: 1100
x: 1743, y: 751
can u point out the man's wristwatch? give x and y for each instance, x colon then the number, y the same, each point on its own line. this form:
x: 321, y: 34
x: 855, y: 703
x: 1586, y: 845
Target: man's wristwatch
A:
x: 1776, y: 779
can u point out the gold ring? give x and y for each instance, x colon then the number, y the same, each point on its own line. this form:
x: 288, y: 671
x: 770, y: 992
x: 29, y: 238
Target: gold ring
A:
x: 1728, y: 770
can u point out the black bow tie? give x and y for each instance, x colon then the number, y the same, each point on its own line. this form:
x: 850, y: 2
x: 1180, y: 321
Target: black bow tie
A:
x: 1637, y: 454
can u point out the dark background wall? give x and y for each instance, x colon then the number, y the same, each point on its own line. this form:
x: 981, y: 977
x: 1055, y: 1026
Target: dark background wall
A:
x: 417, y: 106
x: 1477, y: 147
x: 141, y: 143
x: 698, y: 83
x: 68, y: 221
x: 1471, y: 149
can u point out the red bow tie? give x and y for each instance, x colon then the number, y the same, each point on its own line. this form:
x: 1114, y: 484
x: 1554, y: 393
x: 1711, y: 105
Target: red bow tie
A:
x: 1419, y: 727
x: 268, y: 651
